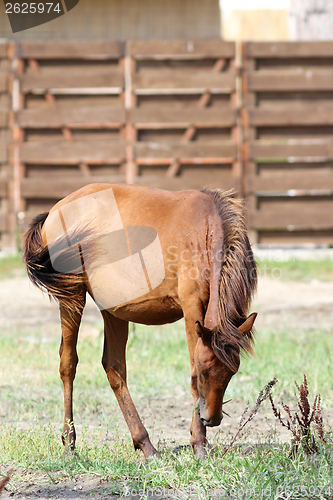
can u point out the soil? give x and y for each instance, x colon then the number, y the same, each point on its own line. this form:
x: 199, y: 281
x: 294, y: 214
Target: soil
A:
x: 279, y: 304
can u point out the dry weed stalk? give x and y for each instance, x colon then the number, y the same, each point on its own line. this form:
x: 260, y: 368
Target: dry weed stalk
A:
x: 306, y: 425
x: 263, y: 394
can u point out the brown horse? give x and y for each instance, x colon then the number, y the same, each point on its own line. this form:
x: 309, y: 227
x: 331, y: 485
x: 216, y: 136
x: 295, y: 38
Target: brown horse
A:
x: 149, y: 256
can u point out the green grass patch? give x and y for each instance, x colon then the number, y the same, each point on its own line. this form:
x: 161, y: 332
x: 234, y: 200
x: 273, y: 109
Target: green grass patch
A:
x: 11, y: 266
x: 263, y: 471
x: 296, y: 269
x: 31, y: 405
x: 287, y: 355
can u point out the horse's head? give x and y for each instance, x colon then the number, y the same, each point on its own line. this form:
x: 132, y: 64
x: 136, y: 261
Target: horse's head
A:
x: 214, y: 367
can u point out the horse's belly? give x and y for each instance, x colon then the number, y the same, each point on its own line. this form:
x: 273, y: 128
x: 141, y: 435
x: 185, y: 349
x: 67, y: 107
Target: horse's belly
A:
x: 154, y: 311
x: 135, y: 293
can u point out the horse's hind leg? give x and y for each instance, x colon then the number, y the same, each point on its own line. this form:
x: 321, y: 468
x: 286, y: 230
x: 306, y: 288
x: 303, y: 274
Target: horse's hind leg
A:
x: 114, y: 363
x: 70, y: 323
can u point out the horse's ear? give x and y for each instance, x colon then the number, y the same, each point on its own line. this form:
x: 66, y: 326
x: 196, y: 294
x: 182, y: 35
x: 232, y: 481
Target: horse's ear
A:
x: 201, y: 330
x: 247, y: 326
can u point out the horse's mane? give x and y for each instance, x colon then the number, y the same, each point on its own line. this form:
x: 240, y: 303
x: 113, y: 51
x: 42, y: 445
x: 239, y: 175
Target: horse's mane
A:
x: 238, y: 281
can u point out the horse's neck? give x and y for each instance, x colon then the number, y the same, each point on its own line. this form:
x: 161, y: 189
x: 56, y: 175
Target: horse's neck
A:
x: 211, y: 317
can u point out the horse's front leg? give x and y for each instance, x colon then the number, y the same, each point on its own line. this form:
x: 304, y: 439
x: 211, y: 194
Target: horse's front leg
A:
x: 114, y: 363
x: 198, y: 430
x: 70, y: 323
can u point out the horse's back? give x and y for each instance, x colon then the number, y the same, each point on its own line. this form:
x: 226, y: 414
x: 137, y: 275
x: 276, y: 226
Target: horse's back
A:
x: 111, y: 206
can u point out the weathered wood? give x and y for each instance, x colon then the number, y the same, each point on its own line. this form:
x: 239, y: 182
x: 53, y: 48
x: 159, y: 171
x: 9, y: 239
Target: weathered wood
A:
x: 291, y: 153
x: 3, y: 82
x: 3, y: 188
x: 3, y: 49
x: 289, y: 115
x: 67, y: 49
x: 55, y: 189
x: 3, y: 119
x: 3, y: 222
x: 178, y: 116
x: 290, y: 80
x: 180, y: 49
x: 288, y: 50
x: 189, y: 179
x: 304, y: 216
x: 186, y: 150
x: 54, y: 78
x: 289, y: 181
x: 294, y: 239
x: 83, y: 117
x: 3, y: 146
x: 64, y: 153
x: 179, y: 78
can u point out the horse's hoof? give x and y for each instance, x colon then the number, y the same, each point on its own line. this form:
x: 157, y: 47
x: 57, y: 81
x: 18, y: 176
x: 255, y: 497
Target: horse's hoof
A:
x: 69, y: 453
x: 154, y: 456
x: 201, y: 453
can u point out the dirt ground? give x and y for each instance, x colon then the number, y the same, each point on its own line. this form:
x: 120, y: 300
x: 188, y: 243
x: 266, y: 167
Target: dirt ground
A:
x: 277, y: 302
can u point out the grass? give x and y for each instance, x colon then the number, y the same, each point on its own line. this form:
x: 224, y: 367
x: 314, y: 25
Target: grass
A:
x: 31, y: 404
x: 31, y: 413
x: 296, y: 269
x: 261, y: 472
x: 11, y: 266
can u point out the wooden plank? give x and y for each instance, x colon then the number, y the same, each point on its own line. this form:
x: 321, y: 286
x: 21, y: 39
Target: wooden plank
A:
x: 295, y: 152
x: 288, y: 50
x: 3, y: 189
x: 295, y: 238
x: 284, y: 115
x: 182, y: 117
x: 169, y: 151
x: 180, y: 49
x: 55, y: 189
x: 68, y: 49
x: 3, y: 149
x: 291, y: 80
x: 179, y: 78
x: 190, y: 179
x: 290, y: 181
x: 3, y: 119
x: 67, y: 77
x: 297, y: 218
x: 3, y: 222
x: 65, y: 153
x: 84, y: 117
x: 3, y: 49
x: 3, y: 82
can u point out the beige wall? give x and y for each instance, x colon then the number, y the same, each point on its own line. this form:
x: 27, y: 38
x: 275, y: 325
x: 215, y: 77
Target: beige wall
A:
x: 125, y: 19
x: 256, y: 24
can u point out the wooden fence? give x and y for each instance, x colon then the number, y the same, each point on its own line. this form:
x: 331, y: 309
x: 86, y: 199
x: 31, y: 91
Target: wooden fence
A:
x: 288, y: 138
x: 172, y: 114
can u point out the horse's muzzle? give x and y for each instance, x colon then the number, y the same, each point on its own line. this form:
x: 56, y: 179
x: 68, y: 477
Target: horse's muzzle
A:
x: 213, y: 422
x: 207, y: 422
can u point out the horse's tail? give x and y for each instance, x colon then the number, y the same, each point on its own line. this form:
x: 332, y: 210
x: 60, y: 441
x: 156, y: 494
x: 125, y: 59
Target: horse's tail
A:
x: 238, y: 280
x: 62, y: 286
